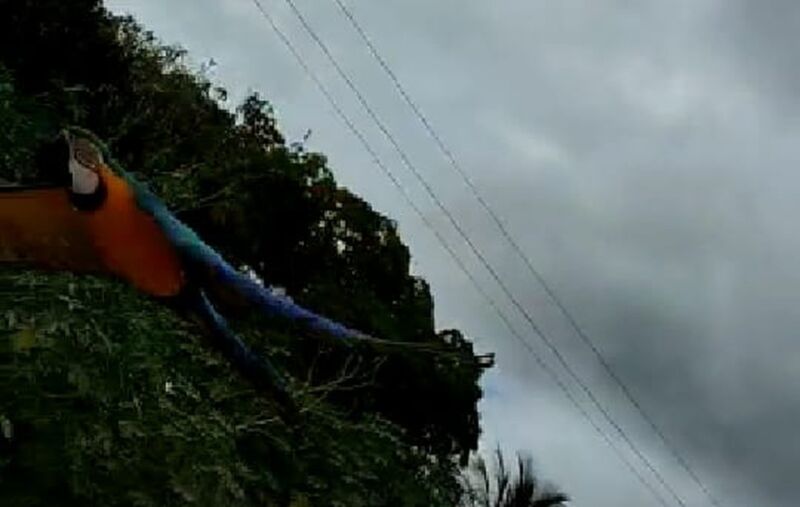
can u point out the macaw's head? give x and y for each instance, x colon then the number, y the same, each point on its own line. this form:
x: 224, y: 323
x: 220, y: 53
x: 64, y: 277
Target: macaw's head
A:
x: 85, y: 165
x: 74, y: 160
x: 85, y: 162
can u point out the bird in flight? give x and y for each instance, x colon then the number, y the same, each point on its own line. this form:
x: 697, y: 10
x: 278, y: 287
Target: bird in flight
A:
x: 99, y: 219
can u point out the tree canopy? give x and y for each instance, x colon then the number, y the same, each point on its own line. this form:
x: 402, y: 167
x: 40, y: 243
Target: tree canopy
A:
x: 107, y: 398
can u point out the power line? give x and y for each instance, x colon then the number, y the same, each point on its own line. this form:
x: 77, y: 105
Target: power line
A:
x: 410, y: 166
x: 573, y: 322
x: 462, y: 266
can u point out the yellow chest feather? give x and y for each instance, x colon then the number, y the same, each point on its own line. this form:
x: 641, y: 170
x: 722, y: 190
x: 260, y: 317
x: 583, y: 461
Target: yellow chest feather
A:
x: 131, y: 244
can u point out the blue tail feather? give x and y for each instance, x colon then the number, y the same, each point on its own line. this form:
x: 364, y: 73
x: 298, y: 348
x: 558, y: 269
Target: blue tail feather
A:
x: 204, y: 258
x: 254, y: 367
x: 274, y: 305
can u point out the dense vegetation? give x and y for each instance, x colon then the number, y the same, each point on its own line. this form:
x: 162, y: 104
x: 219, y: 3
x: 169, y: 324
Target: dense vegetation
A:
x: 107, y: 398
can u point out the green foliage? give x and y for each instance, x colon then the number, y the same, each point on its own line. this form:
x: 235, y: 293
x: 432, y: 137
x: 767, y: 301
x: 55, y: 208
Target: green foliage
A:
x: 109, y: 399
x: 105, y: 411
x: 22, y: 125
x: 501, y: 488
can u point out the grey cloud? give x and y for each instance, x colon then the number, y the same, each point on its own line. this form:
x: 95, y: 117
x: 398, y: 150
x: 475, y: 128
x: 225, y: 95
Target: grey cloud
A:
x: 643, y: 153
x: 760, y: 39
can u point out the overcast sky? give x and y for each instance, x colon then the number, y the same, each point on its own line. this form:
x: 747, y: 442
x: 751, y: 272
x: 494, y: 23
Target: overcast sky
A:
x: 645, y: 156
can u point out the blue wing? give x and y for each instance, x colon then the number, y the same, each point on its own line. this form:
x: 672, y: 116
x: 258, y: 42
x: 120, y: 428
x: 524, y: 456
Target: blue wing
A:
x: 214, y: 270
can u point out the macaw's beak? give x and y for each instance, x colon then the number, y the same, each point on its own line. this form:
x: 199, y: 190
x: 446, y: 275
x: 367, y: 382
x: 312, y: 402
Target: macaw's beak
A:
x: 66, y: 136
x: 52, y: 160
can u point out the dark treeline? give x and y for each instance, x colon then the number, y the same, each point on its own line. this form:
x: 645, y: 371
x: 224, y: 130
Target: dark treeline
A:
x: 108, y: 399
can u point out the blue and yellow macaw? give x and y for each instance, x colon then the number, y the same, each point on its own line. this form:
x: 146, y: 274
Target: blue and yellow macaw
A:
x: 101, y: 220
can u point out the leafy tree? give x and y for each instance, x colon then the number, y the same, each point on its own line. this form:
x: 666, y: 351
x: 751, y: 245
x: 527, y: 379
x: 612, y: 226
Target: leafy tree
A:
x: 106, y: 398
x: 499, y: 488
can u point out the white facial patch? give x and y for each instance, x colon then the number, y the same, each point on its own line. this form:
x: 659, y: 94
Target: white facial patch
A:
x: 84, y: 181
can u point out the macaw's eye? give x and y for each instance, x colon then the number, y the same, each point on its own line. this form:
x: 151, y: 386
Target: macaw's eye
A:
x: 87, y: 155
